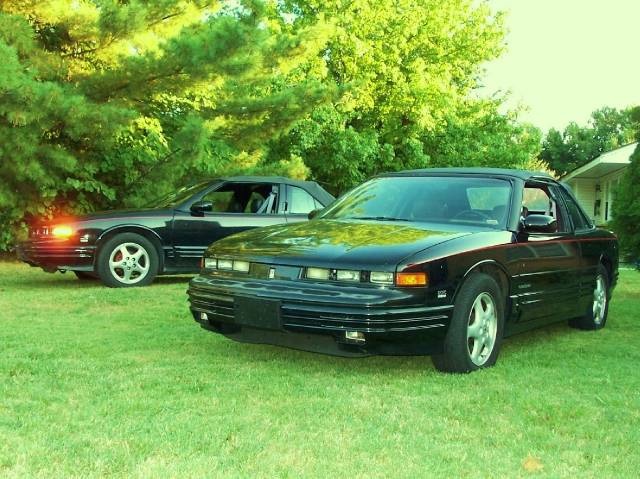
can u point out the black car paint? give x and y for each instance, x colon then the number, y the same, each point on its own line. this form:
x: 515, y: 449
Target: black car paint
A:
x: 179, y: 234
x: 544, y: 277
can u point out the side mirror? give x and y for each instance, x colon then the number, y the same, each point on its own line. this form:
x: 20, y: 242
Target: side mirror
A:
x: 540, y: 224
x: 313, y: 213
x: 201, y: 206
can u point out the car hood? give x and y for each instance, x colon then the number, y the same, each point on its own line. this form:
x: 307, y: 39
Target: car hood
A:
x: 333, y: 243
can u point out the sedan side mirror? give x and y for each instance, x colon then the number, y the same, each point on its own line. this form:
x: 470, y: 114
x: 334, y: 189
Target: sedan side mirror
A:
x: 201, y: 206
x: 313, y: 213
x: 540, y: 224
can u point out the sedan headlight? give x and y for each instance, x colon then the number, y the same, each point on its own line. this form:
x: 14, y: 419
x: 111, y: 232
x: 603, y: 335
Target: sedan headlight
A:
x: 381, y: 277
x: 347, y: 275
x: 62, y: 231
x: 317, y: 273
x: 227, y: 264
x: 210, y: 263
x: 242, y: 266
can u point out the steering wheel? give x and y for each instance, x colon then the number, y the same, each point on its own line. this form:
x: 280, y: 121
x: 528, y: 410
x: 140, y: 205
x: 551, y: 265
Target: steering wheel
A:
x: 472, y: 214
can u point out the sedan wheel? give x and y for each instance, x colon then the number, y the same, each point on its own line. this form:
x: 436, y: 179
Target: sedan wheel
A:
x: 598, y: 309
x: 475, y: 331
x: 129, y: 263
x: 599, y: 300
x: 482, y: 329
x: 127, y: 260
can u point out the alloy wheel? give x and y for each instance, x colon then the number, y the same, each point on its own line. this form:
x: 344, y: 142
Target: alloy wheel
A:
x: 482, y: 329
x: 599, y: 300
x: 129, y: 263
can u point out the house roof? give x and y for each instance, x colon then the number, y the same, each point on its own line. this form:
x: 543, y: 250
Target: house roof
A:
x: 603, y: 165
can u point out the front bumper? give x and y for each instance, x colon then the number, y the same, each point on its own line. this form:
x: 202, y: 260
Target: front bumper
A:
x: 315, y: 317
x: 52, y: 255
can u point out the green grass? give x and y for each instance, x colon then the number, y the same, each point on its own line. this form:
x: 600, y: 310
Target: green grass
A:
x: 105, y: 382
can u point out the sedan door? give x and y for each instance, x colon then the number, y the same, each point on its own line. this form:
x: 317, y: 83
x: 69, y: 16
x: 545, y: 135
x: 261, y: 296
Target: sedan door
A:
x: 230, y: 207
x: 546, y: 287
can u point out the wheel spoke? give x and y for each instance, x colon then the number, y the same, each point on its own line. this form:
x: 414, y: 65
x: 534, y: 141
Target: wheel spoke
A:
x: 478, y: 346
x: 140, y: 268
x: 473, y: 331
x: 489, y: 312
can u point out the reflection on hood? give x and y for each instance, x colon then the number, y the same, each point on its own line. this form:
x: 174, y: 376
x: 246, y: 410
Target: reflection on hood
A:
x: 321, y: 240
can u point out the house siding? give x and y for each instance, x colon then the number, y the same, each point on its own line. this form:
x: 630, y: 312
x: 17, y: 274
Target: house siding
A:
x: 585, y: 192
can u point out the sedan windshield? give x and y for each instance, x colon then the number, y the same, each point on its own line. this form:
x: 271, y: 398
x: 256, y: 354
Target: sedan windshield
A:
x: 176, y: 197
x: 432, y: 199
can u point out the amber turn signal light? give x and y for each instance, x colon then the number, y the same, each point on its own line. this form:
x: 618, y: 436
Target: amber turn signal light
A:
x: 411, y: 279
x: 62, y: 231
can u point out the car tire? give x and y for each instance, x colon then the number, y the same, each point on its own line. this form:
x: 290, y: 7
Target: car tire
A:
x: 475, y: 333
x: 85, y: 276
x: 596, y: 315
x: 127, y: 260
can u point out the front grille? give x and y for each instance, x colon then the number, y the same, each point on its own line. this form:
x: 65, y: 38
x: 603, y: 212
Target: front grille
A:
x: 315, y: 317
x: 295, y: 317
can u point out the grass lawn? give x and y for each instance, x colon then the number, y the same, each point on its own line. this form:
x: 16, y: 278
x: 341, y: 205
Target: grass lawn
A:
x: 107, y: 382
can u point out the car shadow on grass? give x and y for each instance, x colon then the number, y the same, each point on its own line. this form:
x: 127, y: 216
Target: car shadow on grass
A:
x: 514, y: 350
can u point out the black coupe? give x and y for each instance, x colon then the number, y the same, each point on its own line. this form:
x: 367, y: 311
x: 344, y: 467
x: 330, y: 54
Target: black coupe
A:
x: 439, y: 261
x: 130, y: 247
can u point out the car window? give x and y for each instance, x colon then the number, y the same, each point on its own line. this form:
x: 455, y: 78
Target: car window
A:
x: 301, y: 202
x: 438, y: 199
x: 537, y: 199
x: 176, y: 197
x: 579, y: 220
x: 258, y: 198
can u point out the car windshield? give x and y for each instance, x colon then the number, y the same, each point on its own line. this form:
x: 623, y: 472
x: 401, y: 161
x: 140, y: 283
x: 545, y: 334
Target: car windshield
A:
x: 176, y: 197
x: 433, y: 199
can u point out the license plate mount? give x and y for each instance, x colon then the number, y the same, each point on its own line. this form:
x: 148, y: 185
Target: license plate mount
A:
x: 257, y: 312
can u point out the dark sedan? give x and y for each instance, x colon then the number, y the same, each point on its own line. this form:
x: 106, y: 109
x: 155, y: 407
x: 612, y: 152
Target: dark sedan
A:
x: 442, y: 261
x: 130, y: 247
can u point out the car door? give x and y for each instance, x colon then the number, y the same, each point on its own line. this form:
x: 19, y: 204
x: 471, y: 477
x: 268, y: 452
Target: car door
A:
x: 590, y: 251
x: 235, y: 207
x: 547, y: 284
x: 298, y: 204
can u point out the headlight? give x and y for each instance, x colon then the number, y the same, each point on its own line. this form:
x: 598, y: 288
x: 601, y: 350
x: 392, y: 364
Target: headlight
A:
x: 381, y: 277
x: 242, y: 266
x: 210, y: 263
x: 225, y: 263
x: 317, y: 273
x: 62, y: 231
x: 347, y: 275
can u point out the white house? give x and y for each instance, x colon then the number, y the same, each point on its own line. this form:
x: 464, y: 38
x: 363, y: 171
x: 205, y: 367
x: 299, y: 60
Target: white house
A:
x: 594, y: 183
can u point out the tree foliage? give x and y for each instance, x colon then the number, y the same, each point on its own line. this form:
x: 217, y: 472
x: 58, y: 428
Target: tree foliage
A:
x: 105, y: 103
x: 608, y: 129
x: 411, y: 68
x: 626, y: 204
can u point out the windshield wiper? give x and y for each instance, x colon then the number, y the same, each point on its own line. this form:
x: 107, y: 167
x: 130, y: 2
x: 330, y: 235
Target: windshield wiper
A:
x: 378, y: 218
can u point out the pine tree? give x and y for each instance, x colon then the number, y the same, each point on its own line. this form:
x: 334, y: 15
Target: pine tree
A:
x: 106, y: 102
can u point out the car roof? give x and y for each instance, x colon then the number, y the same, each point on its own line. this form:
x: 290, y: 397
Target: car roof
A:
x: 494, y: 172
x: 311, y: 187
